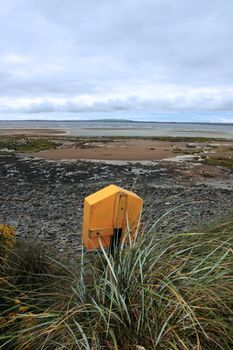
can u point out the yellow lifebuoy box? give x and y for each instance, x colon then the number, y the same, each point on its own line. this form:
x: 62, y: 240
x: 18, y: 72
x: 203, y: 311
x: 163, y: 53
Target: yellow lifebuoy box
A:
x: 108, y: 211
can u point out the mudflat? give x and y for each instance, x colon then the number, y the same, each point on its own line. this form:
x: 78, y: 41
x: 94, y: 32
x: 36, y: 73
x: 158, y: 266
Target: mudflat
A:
x: 113, y: 150
x: 134, y: 150
x: 44, y: 199
x: 32, y: 131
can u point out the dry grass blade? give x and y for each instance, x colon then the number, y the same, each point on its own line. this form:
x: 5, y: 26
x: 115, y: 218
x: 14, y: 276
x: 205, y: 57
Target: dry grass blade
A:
x: 158, y: 292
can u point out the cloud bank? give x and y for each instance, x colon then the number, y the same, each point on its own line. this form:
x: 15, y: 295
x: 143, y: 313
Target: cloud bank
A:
x: 89, y: 56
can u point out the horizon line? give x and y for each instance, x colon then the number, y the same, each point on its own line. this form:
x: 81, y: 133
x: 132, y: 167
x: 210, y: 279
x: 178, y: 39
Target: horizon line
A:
x: 115, y: 121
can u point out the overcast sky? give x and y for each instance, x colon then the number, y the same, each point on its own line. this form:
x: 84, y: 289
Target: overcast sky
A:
x: 93, y: 56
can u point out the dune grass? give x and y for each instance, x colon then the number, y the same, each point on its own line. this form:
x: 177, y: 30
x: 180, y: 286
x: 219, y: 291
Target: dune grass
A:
x: 159, y: 292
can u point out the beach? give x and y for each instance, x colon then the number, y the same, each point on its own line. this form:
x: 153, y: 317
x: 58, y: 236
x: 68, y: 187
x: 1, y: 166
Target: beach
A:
x: 130, y: 150
x: 121, y: 148
x: 42, y: 191
x: 133, y: 149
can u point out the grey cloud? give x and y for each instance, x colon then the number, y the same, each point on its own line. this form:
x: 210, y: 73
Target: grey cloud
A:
x: 185, y: 102
x: 55, y: 50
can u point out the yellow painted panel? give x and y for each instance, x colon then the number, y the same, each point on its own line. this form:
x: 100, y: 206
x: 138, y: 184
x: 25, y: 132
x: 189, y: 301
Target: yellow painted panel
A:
x: 105, y: 192
x: 120, y: 210
x: 106, y: 210
x: 101, y: 194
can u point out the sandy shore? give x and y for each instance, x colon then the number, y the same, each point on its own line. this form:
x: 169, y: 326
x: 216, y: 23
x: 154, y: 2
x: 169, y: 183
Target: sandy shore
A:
x: 64, y: 147
x: 33, y: 131
x: 134, y: 150
x: 119, y: 150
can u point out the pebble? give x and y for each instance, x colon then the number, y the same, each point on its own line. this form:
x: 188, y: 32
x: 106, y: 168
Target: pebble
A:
x: 44, y: 200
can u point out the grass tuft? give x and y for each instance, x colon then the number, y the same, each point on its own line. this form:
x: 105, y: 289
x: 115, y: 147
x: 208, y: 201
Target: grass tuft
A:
x: 172, y: 292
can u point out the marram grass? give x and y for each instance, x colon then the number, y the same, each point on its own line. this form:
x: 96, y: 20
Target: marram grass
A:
x: 170, y: 293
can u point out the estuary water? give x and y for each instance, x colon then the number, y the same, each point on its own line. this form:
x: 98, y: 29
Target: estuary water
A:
x: 127, y: 128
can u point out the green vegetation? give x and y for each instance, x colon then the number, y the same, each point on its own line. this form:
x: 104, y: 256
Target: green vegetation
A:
x: 212, y: 160
x: 158, y: 138
x: 190, y: 151
x: 218, y: 161
x: 24, y: 144
x: 160, y: 292
x: 186, y: 139
x: 119, y: 138
x: 224, y: 149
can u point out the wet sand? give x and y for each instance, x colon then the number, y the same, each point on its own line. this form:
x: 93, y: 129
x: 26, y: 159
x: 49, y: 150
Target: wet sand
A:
x: 134, y: 150
x: 130, y: 150
x: 121, y: 149
x: 33, y: 131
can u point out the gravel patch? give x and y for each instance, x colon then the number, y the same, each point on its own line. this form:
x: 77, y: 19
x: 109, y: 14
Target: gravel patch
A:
x: 44, y: 199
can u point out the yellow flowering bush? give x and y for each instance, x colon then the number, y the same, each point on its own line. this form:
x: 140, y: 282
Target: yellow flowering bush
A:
x: 7, y: 235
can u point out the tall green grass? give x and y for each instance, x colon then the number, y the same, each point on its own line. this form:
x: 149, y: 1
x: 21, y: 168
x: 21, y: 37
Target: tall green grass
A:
x: 158, y: 292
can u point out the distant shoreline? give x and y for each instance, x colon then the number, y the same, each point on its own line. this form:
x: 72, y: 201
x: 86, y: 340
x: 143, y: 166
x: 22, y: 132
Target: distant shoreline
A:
x: 109, y: 121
